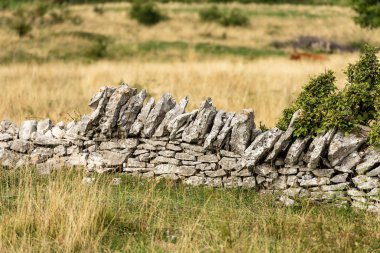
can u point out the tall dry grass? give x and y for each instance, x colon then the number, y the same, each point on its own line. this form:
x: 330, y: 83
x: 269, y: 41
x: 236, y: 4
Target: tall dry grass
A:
x: 61, y: 91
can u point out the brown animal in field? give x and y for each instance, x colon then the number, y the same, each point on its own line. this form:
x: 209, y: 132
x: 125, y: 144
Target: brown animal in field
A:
x: 295, y: 55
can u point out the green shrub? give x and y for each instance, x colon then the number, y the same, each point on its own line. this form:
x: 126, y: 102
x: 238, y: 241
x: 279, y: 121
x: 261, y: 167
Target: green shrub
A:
x: 368, y: 12
x: 211, y: 14
x: 146, y: 13
x: 99, y: 10
x: 21, y: 26
x: 323, y: 107
x: 234, y: 17
x: 99, y: 49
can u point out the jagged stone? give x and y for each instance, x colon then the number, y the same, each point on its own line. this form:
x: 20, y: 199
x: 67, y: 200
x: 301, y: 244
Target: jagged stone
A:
x: 101, y: 104
x: 208, y: 158
x: 186, y: 171
x: 340, y: 178
x: 232, y: 182
x: 195, y: 180
x: 185, y: 156
x: 242, y: 125
x: 318, y: 147
x: 21, y: 146
x: 229, y: 164
x: 179, y: 123
x: 349, y: 163
x: 222, y: 138
x: 202, y: 124
x: 371, y: 159
x: 214, y: 182
x: 157, y: 114
x: 323, y: 172
x: 365, y: 182
x: 373, y: 173
x: 179, y: 109
x: 118, y: 98
x: 139, y: 123
x: 248, y: 182
x: 317, y: 181
x: 43, y: 126
x: 5, y: 137
x: 264, y: 170
x: 217, y: 126
x: 295, y: 150
x: 129, y: 112
x: 216, y: 173
x: 27, y: 128
x: 9, y: 159
x: 284, y: 139
x: 342, y: 145
x: 40, y: 155
x: 162, y: 159
x: 261, y: 146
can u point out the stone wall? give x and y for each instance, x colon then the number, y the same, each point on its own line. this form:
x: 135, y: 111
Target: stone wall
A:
x: 202, y: 147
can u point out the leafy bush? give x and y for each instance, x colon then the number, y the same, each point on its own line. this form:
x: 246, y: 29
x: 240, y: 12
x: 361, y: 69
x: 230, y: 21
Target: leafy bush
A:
x: 234, y: 17
x: 146, y: 13
x: 368, y: 12
x: 211, y: 14
x: 323, y: 107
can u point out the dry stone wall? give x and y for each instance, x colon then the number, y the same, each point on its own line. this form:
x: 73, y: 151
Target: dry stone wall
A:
x: 203, y: 147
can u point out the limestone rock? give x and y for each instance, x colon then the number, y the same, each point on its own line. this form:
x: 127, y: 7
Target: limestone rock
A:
x: 166, y: 169
x: 229, y: 164
x: 296, y: 150
x: 195, y: 180
x: 340, y: 178
x: 317, y: 181
x: 118, y: 98
x: 157, y: 114
x: 216, y: 173
x: 101, y: 104
x: 21, y: 146
x: 284, y: 140
x: 139, y: 123
x: 109, y: 158
x: 323, y: 172
x: 179, y: 109
x: 9, y: 159
x: 43, y: 126
x: 179, y: 123
x: 185, y: 156
x: 27, y: 128
x: 217, y: 126
x: 129, y: 112
x: 222, y: 138
x: 349, y: 163
x: 242, y: 125
x: 342, y: 145
x: 373, y: 173
x: 40, y: 155
x: 5, y: 137
x: 208, y: 158
x: 318, y: 147
x: 232, y: 182
x: 264, y: 170
x: 261, y: 146
x: 248, y: 182
x: 371, y: 159
x: 365, y: 182
x: 186, y: 171
x: 202, y: 124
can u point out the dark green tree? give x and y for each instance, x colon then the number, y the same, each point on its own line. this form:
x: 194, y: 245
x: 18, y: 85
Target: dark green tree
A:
x: 368, y: 12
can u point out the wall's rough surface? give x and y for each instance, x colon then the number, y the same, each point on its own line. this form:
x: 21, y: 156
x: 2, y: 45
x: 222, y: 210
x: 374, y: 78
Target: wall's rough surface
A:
x: 202, y: 147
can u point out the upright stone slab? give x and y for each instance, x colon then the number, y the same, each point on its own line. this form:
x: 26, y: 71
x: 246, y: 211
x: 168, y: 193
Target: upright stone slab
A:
x: 284, y: 140
x: 27, y: 128
x: 119, y: 98
x: 222, y: 137
x: 342, y: 145
x: 261, y: 146
x: 179, y: 123
x: 217, y: 126
x: 138, y: 125
x: 296, y: 149
x: 202, y: 124
x: 157, y: 114
x: 129, y: 112
x: 318, y: 147
x: 242, y: 125
x: 179, y: 109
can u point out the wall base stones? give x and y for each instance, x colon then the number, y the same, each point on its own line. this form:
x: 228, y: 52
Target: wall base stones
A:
x: 204, y: 147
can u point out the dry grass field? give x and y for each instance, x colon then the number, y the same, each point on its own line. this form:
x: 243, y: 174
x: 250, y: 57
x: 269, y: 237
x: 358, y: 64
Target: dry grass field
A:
x: 53, y: 71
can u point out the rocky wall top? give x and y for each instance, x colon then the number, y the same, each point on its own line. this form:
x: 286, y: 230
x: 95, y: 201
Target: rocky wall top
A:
x: 204, y: 146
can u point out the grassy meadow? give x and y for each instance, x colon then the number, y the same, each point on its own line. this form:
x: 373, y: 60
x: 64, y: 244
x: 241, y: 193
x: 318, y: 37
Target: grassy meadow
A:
x: 55, y: 69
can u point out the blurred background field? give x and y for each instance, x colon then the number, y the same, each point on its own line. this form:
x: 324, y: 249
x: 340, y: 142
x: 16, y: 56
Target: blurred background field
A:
x: 55, y: 56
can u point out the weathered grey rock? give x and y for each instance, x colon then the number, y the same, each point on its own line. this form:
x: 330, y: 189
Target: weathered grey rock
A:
x: 27, y: 128
x: 132, y: 162
x: 261, y: 146
x: 288, y: 171
x: 371, y: 159
x: 43, y: 126
x: 264, y: 170
x: 186, y: 171
x: 195, y: 180
x: 296, y: 150
x: 111, y: 158
x: 157, y: 114
x: 216, y: 173
x: 60, y: 150
x: 49, y: 142
x: 335, y: 187
x: 202, y: 124
x: 185, y: 156
x: 342, y: 145
x: 229, y: 164
x: 162, y: 159
x: 155, y: 143
x: 179, y: 109
x: 340, y: 178
x: 101, y: 103
x: 317, y: 181
x: 349, y: 163
x: 173, y: 147
x: 217, y: 126
x: 9, y: 159
x: 191, y: 147
x: 208, y: 158
x: 206, y: 166
x: 373, y: 173
x: 286, y: 200
x: 5, y: 137
x: 118, y: 98
x: 356, y: 193
x: 129, y: 144
x: 279, y: 183
x: 21, y: 146
x: 365, y: 182
x: 232, y: 182
x: 129, y: 112
x: 167, y: 153
x: 166, y: 169
x: 139, y: 123
x: 318, y: 147
x: 177, y: 125
x: 323, y: 172
x: 224, y: 133
x: 58, y: 132
x: 242, y: 125
x: 248, y: 182
x: 77, y: 159
x: 284, y: 139
x: 40, y: 155
x: 225, y: 153
x: 242, y: 173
